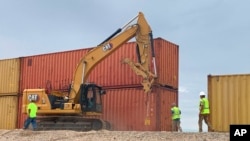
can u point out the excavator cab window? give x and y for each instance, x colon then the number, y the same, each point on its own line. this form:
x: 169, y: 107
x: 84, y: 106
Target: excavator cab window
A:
x: 91, y: 100
x: 56, y: 102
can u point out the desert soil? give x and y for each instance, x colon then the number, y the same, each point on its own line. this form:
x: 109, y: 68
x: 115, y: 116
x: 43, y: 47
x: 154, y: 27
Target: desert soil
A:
x: 104, y: 135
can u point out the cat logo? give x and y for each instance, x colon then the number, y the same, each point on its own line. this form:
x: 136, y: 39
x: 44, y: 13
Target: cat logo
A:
x: 33, y: 97
x: 107, y: 47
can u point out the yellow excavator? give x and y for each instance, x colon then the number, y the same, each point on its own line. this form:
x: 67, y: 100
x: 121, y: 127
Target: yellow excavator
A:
x: 74, y: 110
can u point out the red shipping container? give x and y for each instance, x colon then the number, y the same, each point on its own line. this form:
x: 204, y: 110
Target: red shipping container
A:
x: 52, y: 71
x: 112, y: 72
x: 130, y: 109
x: 55, y: 70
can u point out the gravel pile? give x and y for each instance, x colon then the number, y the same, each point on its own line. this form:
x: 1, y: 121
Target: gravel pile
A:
x: 104, y: 135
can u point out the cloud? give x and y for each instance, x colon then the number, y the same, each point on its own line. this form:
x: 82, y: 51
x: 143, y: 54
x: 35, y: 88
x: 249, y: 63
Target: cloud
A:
x: 183, y: 90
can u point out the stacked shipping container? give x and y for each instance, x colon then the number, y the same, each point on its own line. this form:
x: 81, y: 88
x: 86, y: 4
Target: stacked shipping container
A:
x: 56, y: 69
x: 9, y: 87
x: 131, y: 109
x: 125, y: 97
x: 229, y: 97
x: 50, y: 71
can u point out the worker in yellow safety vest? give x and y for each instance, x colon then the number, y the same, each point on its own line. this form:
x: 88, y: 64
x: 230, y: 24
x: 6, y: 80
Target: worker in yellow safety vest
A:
x: 204, y: 112
x: 31, y: 117
x: 176, y: 118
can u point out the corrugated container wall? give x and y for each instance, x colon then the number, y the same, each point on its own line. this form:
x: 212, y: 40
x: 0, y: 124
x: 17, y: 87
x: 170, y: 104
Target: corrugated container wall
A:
x: 229, y: 100
x: 9, y: 109
x: 56, y: 70
x: 167, y: 62
x: 9, y: 74
x: 130, y: 109
x: 21, y: 116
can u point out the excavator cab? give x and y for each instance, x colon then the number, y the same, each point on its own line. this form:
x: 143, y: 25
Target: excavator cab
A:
x: 91, y: 98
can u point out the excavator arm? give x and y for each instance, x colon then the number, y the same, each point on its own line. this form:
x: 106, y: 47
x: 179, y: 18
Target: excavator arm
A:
x: 143, y: 34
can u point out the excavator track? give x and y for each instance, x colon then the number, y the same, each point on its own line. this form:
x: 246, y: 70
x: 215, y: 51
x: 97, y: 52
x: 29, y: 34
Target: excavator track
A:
x: 75, y: 123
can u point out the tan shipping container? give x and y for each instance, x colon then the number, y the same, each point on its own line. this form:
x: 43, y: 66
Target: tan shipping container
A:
x: 229, y: 100
x: 55, y: 70
x: 130, y: 109
x: 9, y: 110
x: 9, y: 74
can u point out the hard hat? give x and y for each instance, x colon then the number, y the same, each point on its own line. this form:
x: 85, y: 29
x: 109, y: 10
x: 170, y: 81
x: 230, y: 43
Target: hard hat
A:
x: 202, y: 93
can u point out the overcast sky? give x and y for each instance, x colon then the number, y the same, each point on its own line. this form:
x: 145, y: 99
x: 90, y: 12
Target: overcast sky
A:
x: 213, y: 35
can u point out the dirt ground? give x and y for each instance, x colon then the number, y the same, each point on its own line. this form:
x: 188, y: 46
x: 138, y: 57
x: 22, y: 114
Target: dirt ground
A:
x: 104, y: 135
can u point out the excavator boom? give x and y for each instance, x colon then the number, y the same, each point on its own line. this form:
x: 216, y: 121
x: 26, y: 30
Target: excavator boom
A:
x: 143, y: 34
